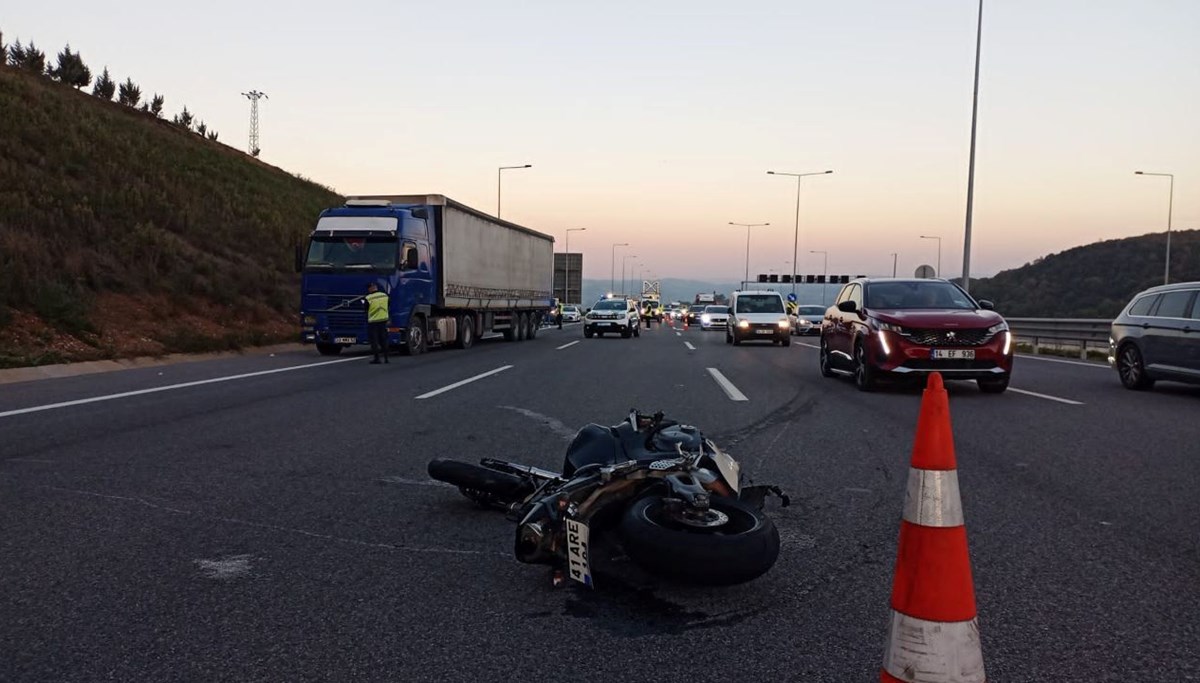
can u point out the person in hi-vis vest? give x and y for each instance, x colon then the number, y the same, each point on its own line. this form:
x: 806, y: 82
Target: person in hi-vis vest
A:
x: 377, y: 321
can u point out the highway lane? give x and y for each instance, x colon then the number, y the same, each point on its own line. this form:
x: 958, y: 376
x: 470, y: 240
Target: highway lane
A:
x: 281, y: 526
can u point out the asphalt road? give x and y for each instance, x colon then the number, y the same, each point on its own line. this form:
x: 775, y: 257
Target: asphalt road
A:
x: 280, y: 526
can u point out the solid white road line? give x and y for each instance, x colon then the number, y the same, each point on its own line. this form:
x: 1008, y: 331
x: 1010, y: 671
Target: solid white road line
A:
x: 566, y: 345
x: 811, y: 346
x: 451, y: 387
x: 1047, y: 397
x: 169, y: 387
x: 1102, y: 366
x: 730, y: 390
x: 689, y: 345
x: 678, y: 334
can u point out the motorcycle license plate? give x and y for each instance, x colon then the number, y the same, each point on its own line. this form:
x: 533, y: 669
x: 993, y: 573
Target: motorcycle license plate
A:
x: 577, y: 552
x: 345, y: 340
x: 956, y: 354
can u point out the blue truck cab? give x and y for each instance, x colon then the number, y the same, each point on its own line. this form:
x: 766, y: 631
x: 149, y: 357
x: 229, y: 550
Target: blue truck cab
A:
x: 451, y: 274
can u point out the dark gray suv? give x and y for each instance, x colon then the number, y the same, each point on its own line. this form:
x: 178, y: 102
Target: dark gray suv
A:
x: 1157, y: 336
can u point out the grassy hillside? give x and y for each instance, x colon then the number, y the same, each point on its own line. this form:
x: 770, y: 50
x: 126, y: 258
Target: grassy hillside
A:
x: 1092, y: 281
x: 123, y: 234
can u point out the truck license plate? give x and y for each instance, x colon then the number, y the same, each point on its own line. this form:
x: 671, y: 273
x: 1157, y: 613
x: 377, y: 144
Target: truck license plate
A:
x: 953, y: 354
x: 577, y: 552
x: 345, y: 340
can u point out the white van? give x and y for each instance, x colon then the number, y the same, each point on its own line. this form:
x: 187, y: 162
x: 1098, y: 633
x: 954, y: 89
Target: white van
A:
x: 758, y: 316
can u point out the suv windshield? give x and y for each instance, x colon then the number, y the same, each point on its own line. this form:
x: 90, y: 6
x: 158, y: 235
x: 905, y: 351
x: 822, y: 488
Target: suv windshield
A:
x: 919, y: 294
x: 336, y: 253
x: 610, y: 305
x: 759, y: 303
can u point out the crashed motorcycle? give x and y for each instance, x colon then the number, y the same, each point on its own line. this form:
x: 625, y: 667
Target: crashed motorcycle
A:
x: 678, y: 504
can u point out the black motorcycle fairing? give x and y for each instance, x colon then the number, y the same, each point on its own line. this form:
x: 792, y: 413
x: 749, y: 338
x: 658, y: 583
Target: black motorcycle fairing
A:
x: 599, y: 445
x: 592, y: 445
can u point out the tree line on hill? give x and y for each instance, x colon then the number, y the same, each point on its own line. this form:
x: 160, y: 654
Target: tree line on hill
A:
x: 70, y: 69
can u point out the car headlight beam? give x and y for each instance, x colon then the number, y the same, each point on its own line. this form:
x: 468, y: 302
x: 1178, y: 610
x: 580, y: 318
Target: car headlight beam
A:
x: 743, y: 324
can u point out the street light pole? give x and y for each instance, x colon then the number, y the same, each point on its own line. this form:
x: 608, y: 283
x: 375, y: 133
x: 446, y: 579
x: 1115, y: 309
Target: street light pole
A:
x: 747, y: 226
x: 504, y: 168
x: 796, y: 233
x: 966, y: 271
x: 624, y: 259
x: 825, y: 268
x: 612, y: 274
x: 567, y: 268
x: 939, y: 261
x: 895, y: 256
x: 1170, y: 210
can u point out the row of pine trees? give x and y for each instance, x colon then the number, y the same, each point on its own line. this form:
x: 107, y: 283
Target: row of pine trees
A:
x: 71, y: 70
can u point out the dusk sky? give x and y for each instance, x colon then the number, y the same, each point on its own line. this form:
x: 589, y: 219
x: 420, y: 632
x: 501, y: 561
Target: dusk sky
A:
x: 655, y: 123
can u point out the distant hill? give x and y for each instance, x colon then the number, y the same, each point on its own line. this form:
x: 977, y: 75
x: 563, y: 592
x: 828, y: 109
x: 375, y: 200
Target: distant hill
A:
x: 125, y: 234
x: 1092, y: 281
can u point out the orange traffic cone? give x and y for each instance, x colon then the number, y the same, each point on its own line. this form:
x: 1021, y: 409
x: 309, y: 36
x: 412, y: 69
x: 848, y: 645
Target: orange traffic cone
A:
x: 934, y: 633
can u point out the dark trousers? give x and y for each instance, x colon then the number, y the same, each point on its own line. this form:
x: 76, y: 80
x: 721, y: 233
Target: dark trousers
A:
x: 378, y: 334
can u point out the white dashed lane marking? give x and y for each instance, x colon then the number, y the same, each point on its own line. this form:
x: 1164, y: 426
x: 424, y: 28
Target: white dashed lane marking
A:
x: 730, y: 390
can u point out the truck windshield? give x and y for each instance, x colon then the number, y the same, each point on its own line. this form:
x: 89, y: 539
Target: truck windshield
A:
x: 351, y: 253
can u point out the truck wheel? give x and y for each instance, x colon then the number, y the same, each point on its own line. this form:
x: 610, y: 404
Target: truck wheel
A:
x: 414, y: 338
x: 329, y: 349
x: 466, y: 332
x: 522, y: 323
x: 534, y: 323
x: 511, y: 333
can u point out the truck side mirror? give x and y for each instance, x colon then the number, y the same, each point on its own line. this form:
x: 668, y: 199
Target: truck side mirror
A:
x: 299, y: 258
x: 410, y: 261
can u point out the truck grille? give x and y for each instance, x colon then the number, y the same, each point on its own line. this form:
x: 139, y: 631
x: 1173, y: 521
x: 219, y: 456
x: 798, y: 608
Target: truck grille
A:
x: 975, y: 337
x: 341, y: 311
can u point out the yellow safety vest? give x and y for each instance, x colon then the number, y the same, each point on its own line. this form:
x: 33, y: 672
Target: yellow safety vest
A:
x: 377, y: 307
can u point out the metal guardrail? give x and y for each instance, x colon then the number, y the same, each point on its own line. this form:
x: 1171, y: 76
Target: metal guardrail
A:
x: 1057, y: 333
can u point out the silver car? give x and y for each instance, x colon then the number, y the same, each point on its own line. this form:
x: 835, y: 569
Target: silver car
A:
x: 1157, y: 337
x: 714, y: 318
x: 807, y: 319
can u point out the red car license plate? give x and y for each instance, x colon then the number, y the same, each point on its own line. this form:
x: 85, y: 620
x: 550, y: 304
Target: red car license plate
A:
x: 952, y: 354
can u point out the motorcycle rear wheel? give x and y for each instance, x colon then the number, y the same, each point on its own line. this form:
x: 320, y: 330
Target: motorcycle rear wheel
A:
x: 742, y: 549
x: 479, y: 483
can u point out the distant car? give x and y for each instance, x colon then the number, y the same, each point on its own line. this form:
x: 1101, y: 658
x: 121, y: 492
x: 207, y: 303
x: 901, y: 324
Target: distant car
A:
x: 572, y: 314
x: 908, y: 328
x: 714, y: 318
x: 807, y: 319
x: 692, y: 312
x: 1157, y: 337
x: 758, y: 316
x: 617, y: 315
x: 669, y: 311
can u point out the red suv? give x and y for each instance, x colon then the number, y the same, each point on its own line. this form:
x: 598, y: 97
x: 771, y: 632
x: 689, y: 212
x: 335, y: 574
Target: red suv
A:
x: 909, y: 328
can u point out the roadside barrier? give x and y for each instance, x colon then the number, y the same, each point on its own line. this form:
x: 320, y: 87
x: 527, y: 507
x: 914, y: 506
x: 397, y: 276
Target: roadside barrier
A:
x: 933, y: 634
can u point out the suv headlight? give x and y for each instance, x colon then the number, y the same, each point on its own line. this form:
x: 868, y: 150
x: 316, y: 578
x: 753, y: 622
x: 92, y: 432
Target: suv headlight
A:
x: 888, y: 327
x: 997, y: 328
x: 743, y: 324
x: 785, y: 323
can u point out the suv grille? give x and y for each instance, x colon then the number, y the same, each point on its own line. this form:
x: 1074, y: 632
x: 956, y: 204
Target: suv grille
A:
x: 950, y: 364
x: 975, y: 337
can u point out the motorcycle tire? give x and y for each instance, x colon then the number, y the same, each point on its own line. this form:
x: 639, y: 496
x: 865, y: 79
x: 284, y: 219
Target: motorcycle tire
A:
x: 747, y: 550
x: 495, y: 486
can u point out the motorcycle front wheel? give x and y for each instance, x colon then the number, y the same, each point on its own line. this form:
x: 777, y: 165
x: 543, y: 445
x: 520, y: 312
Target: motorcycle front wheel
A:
x: 479, y: 483
x: 739, y: 550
